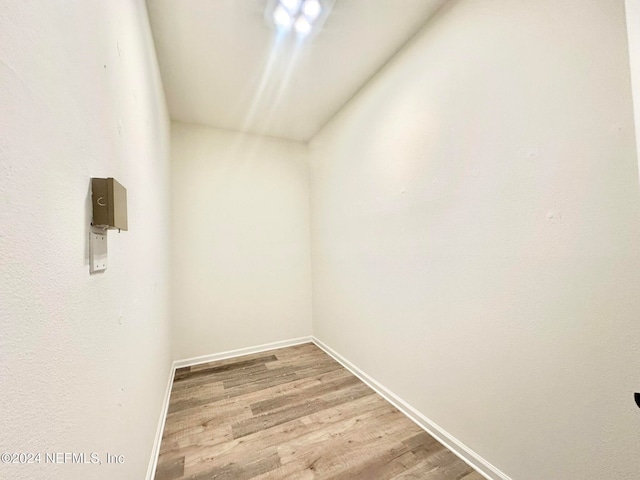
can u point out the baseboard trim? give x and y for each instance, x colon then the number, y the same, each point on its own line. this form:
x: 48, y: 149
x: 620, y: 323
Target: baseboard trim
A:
x: 155, y: 452
x: 470, y: 457
x: 189, y: 362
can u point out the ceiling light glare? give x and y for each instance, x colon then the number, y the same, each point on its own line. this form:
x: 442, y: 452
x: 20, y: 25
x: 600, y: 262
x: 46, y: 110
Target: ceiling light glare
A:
x: 291, y: 5
x: 311, y: 9
x: 302, y: 26
x: 282, y: 18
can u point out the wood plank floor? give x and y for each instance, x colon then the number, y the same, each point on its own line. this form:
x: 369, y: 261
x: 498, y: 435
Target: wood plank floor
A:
x: 292, y: 413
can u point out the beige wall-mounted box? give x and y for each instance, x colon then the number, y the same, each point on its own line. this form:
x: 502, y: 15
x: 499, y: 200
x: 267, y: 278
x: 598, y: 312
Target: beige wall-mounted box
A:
x: 109, y: 200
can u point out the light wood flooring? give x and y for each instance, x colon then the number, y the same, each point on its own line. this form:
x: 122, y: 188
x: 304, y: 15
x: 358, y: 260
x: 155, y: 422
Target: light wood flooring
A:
x: 292, y: 413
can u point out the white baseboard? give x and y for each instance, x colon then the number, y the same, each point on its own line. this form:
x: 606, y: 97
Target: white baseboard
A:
x: 155, y: 452
x: 189, y: 362
x: 460, y: 449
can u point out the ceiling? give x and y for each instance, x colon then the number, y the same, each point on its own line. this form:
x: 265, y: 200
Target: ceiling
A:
x: 223, y: 66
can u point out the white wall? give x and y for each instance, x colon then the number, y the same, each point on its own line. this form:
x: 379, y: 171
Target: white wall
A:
x: 84, y: 360
x: 476, y: 234
x: 633, y: 31
x: 241, y: 261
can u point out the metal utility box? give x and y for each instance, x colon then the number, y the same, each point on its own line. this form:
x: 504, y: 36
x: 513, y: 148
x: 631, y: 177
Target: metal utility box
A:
x: 109, y: 200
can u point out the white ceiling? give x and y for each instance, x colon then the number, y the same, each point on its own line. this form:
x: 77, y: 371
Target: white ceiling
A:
x: 220, y: 65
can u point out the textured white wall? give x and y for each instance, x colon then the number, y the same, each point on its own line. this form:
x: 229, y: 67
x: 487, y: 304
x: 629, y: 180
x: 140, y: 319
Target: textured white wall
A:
x: 241, y: 263
x: 84, y: 360
x: 476, y: 234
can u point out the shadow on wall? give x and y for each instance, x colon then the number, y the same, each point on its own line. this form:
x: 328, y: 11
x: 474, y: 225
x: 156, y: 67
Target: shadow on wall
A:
x: 88, y: 215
